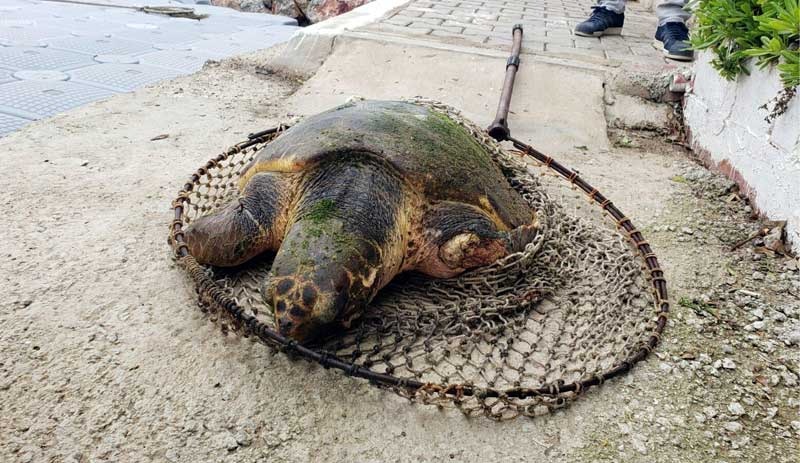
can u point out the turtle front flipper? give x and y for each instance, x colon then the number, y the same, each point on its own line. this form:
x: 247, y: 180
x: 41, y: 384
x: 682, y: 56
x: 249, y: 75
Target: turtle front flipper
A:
x: 459, y: 236
x: 248, y: 226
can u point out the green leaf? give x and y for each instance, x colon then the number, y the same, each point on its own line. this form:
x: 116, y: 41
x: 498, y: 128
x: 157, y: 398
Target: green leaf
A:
x: 738, y: 30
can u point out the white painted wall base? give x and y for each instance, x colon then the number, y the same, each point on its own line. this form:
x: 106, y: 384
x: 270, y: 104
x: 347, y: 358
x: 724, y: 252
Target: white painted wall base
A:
x: 727, y: 129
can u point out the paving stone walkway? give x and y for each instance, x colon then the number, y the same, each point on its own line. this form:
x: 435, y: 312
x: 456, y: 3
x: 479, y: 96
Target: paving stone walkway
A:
x: 57, y: 56
x: 547, y: 25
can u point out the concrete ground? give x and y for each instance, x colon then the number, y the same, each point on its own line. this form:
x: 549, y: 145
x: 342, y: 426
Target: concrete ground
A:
x: 104, y: 356
x: 56, y: 56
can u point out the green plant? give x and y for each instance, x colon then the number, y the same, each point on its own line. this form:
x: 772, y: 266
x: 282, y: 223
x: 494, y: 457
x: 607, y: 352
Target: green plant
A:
x: 700, y: 308
x: 737, y: 30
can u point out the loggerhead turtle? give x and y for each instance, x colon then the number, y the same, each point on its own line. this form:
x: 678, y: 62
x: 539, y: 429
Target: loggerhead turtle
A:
x: 353, y: 196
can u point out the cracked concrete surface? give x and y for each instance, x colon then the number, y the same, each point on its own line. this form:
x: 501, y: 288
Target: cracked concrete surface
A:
x: 105, y: 357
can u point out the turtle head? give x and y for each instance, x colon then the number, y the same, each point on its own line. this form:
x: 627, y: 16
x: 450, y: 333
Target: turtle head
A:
x: 344, y: 242
x: 322, y: 278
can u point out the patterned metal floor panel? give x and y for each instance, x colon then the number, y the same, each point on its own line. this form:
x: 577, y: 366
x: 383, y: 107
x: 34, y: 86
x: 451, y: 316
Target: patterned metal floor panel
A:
x: 121, y: 77
x: 222, y: 48
x: 20, y: 34
x: 100, y: 45
x: 58, y: 56
x: 34, y: 99
x: 6, y: 76
x: 82, y: 26
x: 275, y: 34
x: 179, y: 60
x: 19, y: 58
x: 158, y: 36
x: 9, y: 123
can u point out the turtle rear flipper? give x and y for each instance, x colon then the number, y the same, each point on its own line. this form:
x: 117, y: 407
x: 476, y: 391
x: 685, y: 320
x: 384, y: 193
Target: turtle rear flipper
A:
x: 459, y: 236
x: 244, y: 228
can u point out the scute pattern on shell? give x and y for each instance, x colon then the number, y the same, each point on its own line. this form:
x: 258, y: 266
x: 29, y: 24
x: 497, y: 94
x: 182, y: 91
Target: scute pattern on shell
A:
x: 437, y: 156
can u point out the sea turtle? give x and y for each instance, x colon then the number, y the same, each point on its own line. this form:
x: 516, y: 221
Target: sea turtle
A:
x: 353, y: 196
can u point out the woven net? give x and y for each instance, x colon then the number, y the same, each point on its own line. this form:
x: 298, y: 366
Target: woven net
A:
x: 526, y: 335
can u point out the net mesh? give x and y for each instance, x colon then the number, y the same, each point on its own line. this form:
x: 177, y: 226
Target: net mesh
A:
x: 523, y: 336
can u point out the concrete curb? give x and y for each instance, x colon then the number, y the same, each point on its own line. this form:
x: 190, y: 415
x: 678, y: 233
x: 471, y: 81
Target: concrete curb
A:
x: 309, y: 47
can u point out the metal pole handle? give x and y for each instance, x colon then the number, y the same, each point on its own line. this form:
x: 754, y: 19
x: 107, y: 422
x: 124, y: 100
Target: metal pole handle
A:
x: 499, y: 128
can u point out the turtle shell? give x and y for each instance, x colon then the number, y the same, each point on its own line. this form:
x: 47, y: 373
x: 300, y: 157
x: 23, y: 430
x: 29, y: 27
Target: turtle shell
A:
x: 435, y: 155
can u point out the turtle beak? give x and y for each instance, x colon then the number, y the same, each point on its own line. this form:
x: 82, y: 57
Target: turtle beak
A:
x: 302, y: 311
x: 286, y: 327
x: 317, y: 282
x: 291, y: 321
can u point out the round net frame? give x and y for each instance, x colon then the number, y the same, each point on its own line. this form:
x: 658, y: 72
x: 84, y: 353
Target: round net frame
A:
x: 583, y: 303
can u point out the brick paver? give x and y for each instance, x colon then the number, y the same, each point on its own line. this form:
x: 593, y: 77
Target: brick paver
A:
x: 547, y: 25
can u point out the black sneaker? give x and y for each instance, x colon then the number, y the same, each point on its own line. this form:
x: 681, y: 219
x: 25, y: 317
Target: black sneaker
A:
x: 601, y: 22
x: 675, y: 37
